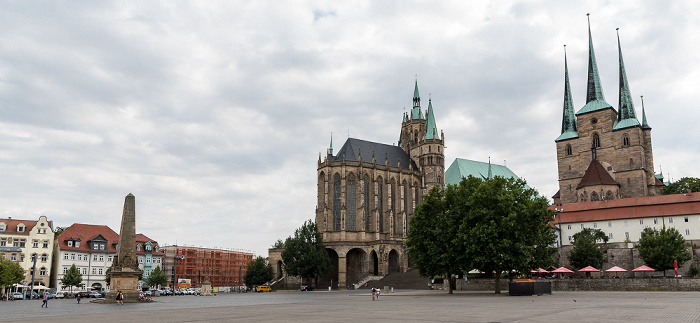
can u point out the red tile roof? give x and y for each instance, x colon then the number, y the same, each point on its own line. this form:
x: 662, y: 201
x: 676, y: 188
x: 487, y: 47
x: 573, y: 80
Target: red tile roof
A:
x: 143, y: 239
x: 86, y: 232
x: 12, y: 225
x: 596, y: 175
x: 629, y: 208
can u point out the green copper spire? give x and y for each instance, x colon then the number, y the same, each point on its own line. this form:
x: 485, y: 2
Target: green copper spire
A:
x: 595, y: 100
x: 645, y: 125
x: 568, y: 123
x: 431, y: 131
x: 626, y: 117
x: 330, y: 149
x: 416, y: 113
x: 490, y: 174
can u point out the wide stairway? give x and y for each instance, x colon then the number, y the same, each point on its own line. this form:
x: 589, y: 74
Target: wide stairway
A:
x: 408, y: 280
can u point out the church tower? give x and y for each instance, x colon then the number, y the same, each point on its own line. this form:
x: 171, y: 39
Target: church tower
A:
x: 421, y: 141
x: 602, y: 153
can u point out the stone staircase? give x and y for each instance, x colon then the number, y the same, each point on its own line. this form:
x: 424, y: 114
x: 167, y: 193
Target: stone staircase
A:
x: 408, y: 280
x: 367, y: 281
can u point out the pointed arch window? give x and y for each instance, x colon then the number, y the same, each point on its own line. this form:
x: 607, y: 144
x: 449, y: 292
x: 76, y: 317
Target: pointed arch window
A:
x: 393, y: 205
x: 350, y: 198
x: 568, y: 150
x: 380, y: 203
x: 596, y: 141
x: 336, y: 202
x: 594, y: 197
x: 366, y: 184
x: 625, y: 140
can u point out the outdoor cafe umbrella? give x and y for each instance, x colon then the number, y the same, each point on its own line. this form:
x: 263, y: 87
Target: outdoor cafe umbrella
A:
x: 644, y: 269
x: 562, y: 270
x: 616, y: 269
x: 588, y: 270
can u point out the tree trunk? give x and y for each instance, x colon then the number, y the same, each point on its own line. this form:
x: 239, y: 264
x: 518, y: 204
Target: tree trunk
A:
x: 448, y: 276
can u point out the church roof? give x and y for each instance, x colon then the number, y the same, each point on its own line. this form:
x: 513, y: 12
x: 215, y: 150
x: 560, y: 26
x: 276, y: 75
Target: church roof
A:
x: 626, y: 116
x: 568, y: 123
x: 416, y: 111
x: 431, y: 131
x: 465, y: 167
x: 354, y: 148
x: 596, y: 175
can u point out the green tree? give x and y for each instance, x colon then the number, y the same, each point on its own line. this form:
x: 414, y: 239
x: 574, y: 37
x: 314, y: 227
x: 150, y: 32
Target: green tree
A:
x: 683, y: 185
x: 586, y: 251
x: 10, y: 273
x: 659, y: 248
x: 157, y: 278
x: 431, y: 241
x: 59, y: 230
x: 108, y: 275
x: 505, y: 226
x: 258, y: 272
x: 304, y: 254
x: 278, y: 244
x: 71, y: 278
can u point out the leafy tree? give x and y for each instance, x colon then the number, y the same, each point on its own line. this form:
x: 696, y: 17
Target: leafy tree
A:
x: 278, y: 244
x: 659, y: 248
x: 108, y: 275
x: 258, y: 272
x: 304, y: 254
x: 683, y: 185
x: 157, y: 278
x: 431, y: 241
x: 505, y: 226
x: 586, y: 251
x: 59, y: 230
x: 71, y: 278
x: 10, y: 273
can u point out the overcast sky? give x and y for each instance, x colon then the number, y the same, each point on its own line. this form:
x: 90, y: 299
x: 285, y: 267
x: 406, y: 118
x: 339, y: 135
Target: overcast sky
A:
x: 213, y: 114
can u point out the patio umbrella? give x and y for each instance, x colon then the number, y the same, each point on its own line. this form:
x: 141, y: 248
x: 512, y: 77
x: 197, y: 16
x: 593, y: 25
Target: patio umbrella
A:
x: 588, y: 270
x: 616, y: 269
x: 562, y: 270
x: 644, y: 269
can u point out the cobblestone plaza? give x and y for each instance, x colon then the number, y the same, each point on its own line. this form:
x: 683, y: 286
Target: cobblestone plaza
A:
x: 353, y: 306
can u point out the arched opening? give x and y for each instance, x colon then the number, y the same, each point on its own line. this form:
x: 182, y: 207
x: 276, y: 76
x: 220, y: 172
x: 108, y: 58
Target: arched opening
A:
x: 609, y: 195
x: 394, y: 266
x: 568, y: 150
x: 331, y: 278
x: 596, y: 141
x: 280, y: 271
x: 355, y: 262
x: 375, y: 263
x: 96, y: 287
x: 594, y: 197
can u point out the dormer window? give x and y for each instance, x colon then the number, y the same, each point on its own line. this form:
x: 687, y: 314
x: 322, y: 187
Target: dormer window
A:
x: 69, y: 243
x: 77, y: 244
x: 138, y: 247
x: 157, y: 248
x: 2, y: 227
x: 20, y: 227
x: 102, y: 247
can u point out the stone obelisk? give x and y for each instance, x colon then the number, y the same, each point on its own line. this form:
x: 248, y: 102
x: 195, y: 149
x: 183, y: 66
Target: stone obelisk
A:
x: 125, y: 267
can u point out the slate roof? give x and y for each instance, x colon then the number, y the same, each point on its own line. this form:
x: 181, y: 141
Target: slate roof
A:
x: 353, y: 148
x: 596, y: 175
x: 465, y: 167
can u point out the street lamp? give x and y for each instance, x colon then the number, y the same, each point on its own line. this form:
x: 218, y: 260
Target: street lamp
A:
x: 177, y: 257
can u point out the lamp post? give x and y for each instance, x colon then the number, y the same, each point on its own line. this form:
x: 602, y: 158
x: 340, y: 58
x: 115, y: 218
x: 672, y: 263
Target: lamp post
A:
x: 31, y: 290
x: 177, y: 257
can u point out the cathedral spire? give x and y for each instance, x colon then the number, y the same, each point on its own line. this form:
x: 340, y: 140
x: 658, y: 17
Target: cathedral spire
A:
x: 330, y: 149
x: 568, y: 123
x: 416, y: 113
x: 490, y: 173
x: 626, y: 117
x: 595, y: 100
x: 645, y: 125
x: 430, y: 127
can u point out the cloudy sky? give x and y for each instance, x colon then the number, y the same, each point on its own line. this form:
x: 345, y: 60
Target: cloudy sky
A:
x: 213, y: 114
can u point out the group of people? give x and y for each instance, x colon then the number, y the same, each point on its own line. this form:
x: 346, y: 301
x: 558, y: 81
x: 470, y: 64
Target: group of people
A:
x: 375, y: 293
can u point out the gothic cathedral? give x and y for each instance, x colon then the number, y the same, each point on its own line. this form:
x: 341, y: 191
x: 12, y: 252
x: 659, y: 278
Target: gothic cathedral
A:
x: 602, y: 153
x: 367, y: 193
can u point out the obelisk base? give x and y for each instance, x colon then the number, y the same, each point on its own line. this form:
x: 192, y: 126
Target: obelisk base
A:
x: 206, y: 288
x: 125, y: 281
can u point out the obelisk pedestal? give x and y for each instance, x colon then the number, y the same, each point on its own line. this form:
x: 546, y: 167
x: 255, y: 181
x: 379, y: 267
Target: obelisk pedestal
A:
x: 125, y: 267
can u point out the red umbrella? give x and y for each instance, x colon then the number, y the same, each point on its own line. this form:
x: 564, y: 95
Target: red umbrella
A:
x: 562, y: 270
x: 589, y: 269
x: 675, y: 266
x: 644, y: 269
x: 616, y: 269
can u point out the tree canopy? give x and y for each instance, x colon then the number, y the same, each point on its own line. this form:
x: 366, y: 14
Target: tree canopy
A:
x: 258, y: 272
x: 659, y: 248
x: 157, y: 278
x: 586, y: 251
x: 72, y: 278
x: 683, y: 185
x: 494, y: 224
x: 304, y: 254
x: 10, y: 273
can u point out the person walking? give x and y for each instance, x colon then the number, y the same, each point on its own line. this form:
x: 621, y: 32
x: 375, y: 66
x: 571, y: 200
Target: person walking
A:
x: 46, y: 300
x: 120, y: 298
x: 374, y: 293
x: 379, y: 291
x: 78, y: 298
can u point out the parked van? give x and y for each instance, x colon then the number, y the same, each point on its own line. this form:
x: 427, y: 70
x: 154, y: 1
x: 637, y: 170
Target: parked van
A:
x: 263, y: 288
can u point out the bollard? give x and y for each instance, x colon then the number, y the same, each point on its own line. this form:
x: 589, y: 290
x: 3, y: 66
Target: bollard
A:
x: 392, y: 289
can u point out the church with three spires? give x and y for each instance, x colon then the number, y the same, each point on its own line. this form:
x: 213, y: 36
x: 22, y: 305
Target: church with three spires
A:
x: 603, y: 153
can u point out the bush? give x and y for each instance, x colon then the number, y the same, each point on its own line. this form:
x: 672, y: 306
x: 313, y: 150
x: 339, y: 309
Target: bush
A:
x: 694, y: 270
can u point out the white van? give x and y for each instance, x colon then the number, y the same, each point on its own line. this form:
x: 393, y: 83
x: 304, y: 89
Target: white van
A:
x: 60, y: 295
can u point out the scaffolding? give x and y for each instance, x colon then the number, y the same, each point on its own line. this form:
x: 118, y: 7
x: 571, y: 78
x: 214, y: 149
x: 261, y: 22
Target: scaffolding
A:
x: 222, y: 267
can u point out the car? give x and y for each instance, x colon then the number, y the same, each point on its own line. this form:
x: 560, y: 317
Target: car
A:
x: 60, y: 295
x: 263, y: 288
x: 307, y: 288
x: 82, y: 294
x: 17, y: 295
x: 95, y: 294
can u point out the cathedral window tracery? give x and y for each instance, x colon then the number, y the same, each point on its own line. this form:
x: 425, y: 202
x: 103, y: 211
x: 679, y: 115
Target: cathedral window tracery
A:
x: 350, y: 198
x: 336, y: 202
x: 380, y: 203
x: 596, y: 141
x: 625, y: 140
x: 366, y: 184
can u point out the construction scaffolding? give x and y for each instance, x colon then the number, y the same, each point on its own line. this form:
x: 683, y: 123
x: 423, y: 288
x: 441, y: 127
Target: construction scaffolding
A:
x: 222, y: 267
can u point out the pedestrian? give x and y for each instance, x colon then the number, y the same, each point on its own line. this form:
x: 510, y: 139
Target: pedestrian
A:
x: 78, y: 298
x: 46, y: 300
x: 120, y: 298
x: 379, y: 291
x: 374, y: 293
